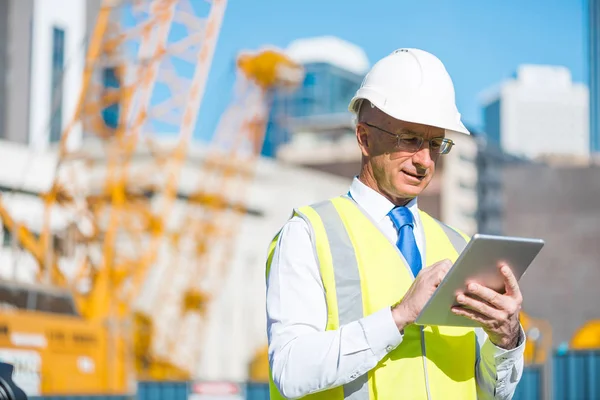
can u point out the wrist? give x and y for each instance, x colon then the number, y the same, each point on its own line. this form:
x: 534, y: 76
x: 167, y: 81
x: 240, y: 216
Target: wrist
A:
x: 514, y: 343
x: 401, y: 316
x: 508, y: 343
x: 511, y: 345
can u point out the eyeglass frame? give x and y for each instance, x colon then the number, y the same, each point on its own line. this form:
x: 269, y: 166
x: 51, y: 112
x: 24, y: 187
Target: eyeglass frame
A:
x: 398, y: 136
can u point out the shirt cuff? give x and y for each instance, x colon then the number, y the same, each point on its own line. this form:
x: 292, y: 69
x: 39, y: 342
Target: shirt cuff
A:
x: 504, y: 356
x: 381, y: 332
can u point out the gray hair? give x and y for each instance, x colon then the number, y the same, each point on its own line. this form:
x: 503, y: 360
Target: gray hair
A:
x: 358, y: 110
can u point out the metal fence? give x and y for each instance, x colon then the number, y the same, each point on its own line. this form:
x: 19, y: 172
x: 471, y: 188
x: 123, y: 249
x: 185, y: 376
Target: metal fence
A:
x: 90, y: 397
x: 257, y: 391
x: 575, y: 376
x: 530, y: 388
x: 163, y: 390
x: 531, y: 385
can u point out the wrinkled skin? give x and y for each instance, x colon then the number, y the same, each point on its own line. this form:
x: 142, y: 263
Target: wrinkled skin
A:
x: 399, y: 176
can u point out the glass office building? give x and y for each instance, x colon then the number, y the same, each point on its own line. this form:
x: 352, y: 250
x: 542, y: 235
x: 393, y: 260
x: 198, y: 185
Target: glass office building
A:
x: 322, y: 99
x: 594, y: 71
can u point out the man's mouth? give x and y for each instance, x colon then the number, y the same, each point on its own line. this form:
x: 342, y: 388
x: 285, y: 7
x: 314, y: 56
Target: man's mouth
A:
x: 415, y: 176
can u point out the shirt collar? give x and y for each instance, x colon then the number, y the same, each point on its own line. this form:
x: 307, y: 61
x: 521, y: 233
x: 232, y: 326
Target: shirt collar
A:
x: 375, y: 204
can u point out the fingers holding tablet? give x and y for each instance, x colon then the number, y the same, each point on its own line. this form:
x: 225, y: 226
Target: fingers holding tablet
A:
x: 497, y: 313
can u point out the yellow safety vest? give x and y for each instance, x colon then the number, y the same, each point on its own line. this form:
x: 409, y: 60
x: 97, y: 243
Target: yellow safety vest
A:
x: 357, y: 260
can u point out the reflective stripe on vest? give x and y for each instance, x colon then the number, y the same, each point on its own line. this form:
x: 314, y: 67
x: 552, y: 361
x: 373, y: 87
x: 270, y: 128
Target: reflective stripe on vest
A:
x: 347, y: 283
x: 456, y: 239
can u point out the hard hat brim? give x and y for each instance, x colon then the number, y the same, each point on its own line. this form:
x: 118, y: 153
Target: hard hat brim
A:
x: 406, y: 112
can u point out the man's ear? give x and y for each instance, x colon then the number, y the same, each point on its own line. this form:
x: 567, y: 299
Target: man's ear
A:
x: 362, y: 136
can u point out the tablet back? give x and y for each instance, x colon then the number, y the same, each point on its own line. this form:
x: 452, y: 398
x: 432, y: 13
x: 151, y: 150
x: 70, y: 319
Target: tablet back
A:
x: 478, y: 263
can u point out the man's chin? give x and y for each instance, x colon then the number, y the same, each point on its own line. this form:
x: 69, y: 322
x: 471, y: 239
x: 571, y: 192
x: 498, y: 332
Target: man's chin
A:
x: 409, y: 191
x: 412, y: 189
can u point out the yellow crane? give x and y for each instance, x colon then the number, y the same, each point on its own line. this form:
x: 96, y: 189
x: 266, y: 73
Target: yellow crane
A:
x: 119, y: 189
x: 125, y: 64
x: 214, y: 212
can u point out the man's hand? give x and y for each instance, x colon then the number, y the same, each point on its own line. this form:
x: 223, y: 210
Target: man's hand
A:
x: 498, y: 314
x: 418, y: 294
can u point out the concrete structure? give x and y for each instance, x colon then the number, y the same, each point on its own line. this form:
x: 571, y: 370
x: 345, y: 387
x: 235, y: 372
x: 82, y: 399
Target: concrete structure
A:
x: 559, y: 205
x: 594, y: 71
x: 42, y: 53
x: 3, y: 63
x: 539, y: 113
x: 237, y: 322
x: 234, y: 330
x: 458, y: 191
x: 489, y: 188
x: 491, y: 161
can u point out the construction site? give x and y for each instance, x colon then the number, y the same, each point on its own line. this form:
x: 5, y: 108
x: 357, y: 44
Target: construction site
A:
x: 135, y: 253
x: 118, y: 255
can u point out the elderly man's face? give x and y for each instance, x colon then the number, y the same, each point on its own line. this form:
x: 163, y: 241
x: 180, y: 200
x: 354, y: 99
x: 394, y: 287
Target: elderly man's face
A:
x: 398, y: 172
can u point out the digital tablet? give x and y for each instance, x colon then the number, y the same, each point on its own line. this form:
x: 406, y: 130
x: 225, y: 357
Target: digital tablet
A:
x: 478, y: 263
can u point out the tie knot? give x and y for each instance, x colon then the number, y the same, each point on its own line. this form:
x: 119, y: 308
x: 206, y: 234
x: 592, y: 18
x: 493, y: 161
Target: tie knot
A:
x: 402, y: 216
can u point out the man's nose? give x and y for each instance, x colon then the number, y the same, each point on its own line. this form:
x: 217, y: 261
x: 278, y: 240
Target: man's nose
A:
x: 422, y: 157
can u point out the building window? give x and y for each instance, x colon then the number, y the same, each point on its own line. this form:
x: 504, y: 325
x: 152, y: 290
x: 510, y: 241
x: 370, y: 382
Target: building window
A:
x: 493, y: 122
x: 57, y: 68
x: 6, y: 237
x: 466, y: 158
x: 464, y: 185
x: 309, y: 79
x: 347, y: 91
x: 111, y: 82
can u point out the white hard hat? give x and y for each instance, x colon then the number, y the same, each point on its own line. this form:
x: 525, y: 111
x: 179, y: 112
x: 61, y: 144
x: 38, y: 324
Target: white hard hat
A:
x: 411, y: 85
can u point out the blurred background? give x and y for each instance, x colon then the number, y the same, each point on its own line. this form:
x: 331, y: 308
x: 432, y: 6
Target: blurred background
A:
x: 150, y: 150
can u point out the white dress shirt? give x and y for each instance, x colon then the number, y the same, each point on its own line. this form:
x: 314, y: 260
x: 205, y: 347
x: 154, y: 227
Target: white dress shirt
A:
x: 305, y: 358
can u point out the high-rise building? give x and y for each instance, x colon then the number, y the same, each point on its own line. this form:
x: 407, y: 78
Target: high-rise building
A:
x: 458, y: 177
x: 594, y: 78
x: 42, y: 54
x: 491, y: 161
x: 539, y: 113
x: 334, y: 70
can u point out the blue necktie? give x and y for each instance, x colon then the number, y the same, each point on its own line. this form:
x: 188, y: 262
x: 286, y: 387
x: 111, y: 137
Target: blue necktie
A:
x: 404, y: 222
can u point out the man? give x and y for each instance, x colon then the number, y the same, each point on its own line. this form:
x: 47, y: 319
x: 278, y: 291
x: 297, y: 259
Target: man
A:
x: 341, y: 289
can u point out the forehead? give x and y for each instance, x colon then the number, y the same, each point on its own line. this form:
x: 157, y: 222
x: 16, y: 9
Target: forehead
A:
x: 398, y: 126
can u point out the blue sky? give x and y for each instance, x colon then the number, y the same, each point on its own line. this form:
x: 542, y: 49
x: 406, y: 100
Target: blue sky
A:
x: 481, y: 42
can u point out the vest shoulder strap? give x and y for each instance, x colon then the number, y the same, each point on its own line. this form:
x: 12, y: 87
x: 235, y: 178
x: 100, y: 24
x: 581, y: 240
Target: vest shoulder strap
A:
x: 458, y: 239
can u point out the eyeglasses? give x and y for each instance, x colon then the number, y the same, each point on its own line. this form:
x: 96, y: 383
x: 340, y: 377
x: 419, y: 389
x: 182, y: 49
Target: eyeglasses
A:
x: 412, y: 143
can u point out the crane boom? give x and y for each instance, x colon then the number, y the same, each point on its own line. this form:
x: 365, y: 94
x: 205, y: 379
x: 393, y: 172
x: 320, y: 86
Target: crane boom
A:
x: 214, y: 212
x: 117, y: 189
